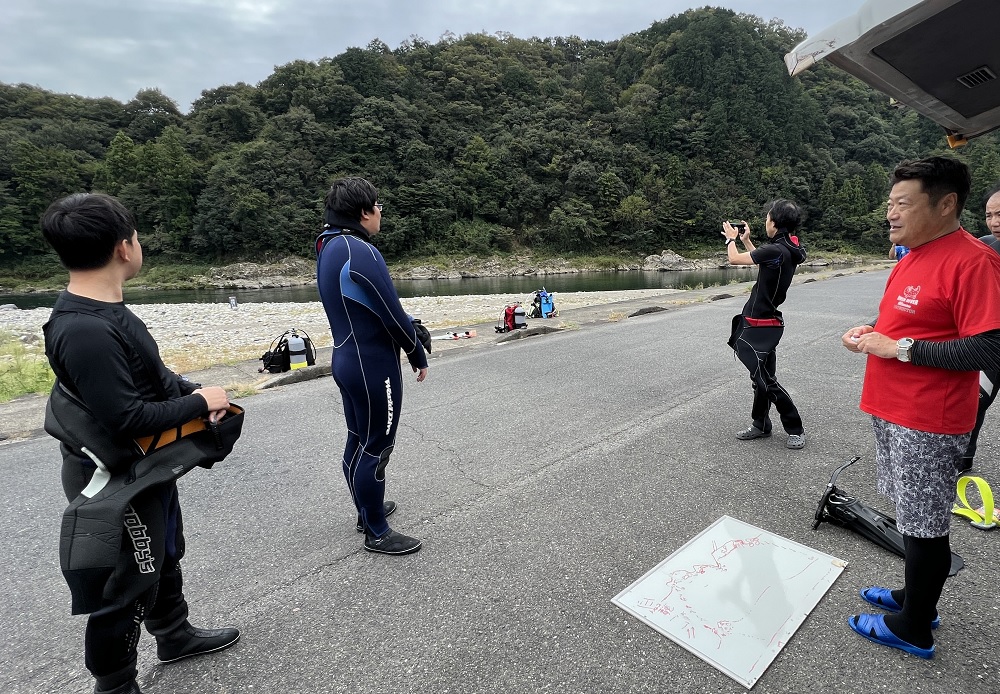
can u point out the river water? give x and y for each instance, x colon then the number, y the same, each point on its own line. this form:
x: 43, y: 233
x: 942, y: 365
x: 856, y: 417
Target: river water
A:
x: 575, y: 282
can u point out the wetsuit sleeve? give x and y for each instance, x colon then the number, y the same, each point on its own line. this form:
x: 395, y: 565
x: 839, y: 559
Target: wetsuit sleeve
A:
x: 186, y: 386
x: 764, y: 253
x: 94, y: 357
x: 977, y: 353
x: 369, y: 271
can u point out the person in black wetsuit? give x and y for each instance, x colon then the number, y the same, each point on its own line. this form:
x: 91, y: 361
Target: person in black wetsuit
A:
x: 92, y: 342
x: 989, y: 380
x: 758, y: 329
x: 369, y: 329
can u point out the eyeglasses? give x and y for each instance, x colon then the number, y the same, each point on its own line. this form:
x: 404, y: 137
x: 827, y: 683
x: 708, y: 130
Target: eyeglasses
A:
x: 379, y: 206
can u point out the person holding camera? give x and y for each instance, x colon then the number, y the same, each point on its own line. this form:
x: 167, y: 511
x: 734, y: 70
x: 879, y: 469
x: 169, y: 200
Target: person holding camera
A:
x: 759, y: 327
x: 369, y: 329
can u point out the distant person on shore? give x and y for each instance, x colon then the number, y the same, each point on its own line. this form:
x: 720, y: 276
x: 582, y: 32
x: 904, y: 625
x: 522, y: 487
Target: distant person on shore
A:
x: 758, y: 329
x: 989, y: 379
x: 104, y: 356
x: 369, y: 329
x: 938, y: 325
x: 897, y: 252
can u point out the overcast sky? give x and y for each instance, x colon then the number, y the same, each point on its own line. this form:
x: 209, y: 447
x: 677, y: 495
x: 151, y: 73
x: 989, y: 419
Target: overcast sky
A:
x: 117, y: 47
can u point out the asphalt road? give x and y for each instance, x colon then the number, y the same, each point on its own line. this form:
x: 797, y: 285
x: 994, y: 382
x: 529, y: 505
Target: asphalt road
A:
x: 544, y: 476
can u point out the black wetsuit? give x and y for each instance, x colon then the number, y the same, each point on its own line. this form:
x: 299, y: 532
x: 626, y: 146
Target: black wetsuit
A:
x: 97, y: 359
x: 758, y: 329
x: 989, y: 380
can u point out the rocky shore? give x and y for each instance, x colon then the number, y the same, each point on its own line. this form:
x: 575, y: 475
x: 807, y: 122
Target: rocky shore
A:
x: 292, y: 272
x: 193, y: 336
x: 220, y: 345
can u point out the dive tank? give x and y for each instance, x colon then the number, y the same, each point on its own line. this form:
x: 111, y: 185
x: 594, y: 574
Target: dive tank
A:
x: 296, y: 351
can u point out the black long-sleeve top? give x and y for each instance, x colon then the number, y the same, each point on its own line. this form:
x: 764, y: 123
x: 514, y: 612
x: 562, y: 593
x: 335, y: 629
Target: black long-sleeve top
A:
x: 97, y: 360
x: 975, y: 353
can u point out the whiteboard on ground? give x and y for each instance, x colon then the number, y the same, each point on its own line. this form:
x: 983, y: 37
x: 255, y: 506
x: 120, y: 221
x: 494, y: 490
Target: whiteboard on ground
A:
x: 733, y: 595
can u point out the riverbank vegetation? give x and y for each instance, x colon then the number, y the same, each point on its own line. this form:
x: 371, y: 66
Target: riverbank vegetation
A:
x: 23, y: 369
x: 482, y: 145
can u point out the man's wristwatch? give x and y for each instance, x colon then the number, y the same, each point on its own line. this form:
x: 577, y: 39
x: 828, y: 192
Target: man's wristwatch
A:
x: 903, y: 348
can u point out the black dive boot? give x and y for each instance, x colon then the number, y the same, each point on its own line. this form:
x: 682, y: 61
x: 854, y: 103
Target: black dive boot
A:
x: 127, y: 688
x: 121, y: 682
x: 183, y: 640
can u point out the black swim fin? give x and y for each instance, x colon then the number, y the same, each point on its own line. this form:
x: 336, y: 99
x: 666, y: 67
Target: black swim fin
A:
x: 839, y: 508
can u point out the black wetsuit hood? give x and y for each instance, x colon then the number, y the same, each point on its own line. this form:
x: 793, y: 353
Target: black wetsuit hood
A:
x: 792, y: 242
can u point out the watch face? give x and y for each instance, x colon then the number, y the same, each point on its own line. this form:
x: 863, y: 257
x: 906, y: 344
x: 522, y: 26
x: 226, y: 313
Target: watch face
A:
x: 903, y: 349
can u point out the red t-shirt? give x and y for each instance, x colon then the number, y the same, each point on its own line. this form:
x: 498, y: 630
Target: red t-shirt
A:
x: 943, y: 290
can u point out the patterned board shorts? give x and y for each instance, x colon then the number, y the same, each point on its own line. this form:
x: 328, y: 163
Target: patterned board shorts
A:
x: 918, y: 472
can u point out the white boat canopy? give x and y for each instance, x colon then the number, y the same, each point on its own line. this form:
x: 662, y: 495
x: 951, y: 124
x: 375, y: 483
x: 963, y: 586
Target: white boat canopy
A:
x: 939, y: 57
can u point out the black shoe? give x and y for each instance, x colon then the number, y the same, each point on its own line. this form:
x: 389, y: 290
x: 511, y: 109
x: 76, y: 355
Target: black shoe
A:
x: 127, y: 688
x: 751, y: 433
x: 388, y: 506
x: 391, y: 543
x: 187, y: 641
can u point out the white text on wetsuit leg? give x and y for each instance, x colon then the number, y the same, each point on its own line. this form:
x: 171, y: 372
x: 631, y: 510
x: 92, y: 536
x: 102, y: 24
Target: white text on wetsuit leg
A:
x: 388, y: 398
x: 140, y: 541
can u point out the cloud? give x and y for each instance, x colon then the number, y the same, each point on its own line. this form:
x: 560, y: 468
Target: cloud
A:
x: 241, y: 11
x: 116, y: 47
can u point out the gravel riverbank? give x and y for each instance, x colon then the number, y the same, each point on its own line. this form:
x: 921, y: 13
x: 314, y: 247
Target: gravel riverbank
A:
x: 193, y: 336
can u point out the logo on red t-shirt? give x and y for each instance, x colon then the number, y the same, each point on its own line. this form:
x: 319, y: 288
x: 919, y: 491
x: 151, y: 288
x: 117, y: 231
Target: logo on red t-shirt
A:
x: 908, y: 301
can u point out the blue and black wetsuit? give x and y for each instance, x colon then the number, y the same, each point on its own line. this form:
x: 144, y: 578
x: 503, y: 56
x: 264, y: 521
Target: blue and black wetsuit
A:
x: 369, y: 328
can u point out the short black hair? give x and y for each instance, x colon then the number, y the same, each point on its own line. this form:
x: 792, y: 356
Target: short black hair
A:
x: 84, y: 229
x: 349, y: 197
x: 938, y: 177
x: 785, y: 215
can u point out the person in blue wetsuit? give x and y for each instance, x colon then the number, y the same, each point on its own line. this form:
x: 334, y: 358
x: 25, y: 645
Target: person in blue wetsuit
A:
x: 369, y: 328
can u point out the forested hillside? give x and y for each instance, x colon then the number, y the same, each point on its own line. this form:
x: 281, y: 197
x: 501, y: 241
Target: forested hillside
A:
x: 485, y: 143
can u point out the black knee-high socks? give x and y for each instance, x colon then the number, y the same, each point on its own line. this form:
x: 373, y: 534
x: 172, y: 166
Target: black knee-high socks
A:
x: 927, y: 562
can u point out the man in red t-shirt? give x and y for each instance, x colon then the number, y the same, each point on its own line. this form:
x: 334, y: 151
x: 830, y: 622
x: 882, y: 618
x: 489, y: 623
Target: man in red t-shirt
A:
x: 938, y: 324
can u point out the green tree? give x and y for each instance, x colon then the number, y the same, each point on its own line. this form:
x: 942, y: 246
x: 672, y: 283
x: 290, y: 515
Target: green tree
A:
x: 16, y: 239
x: 149, y: 113
x: 120, y: 165
x: 41, y: 175
x: 168, y: 175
